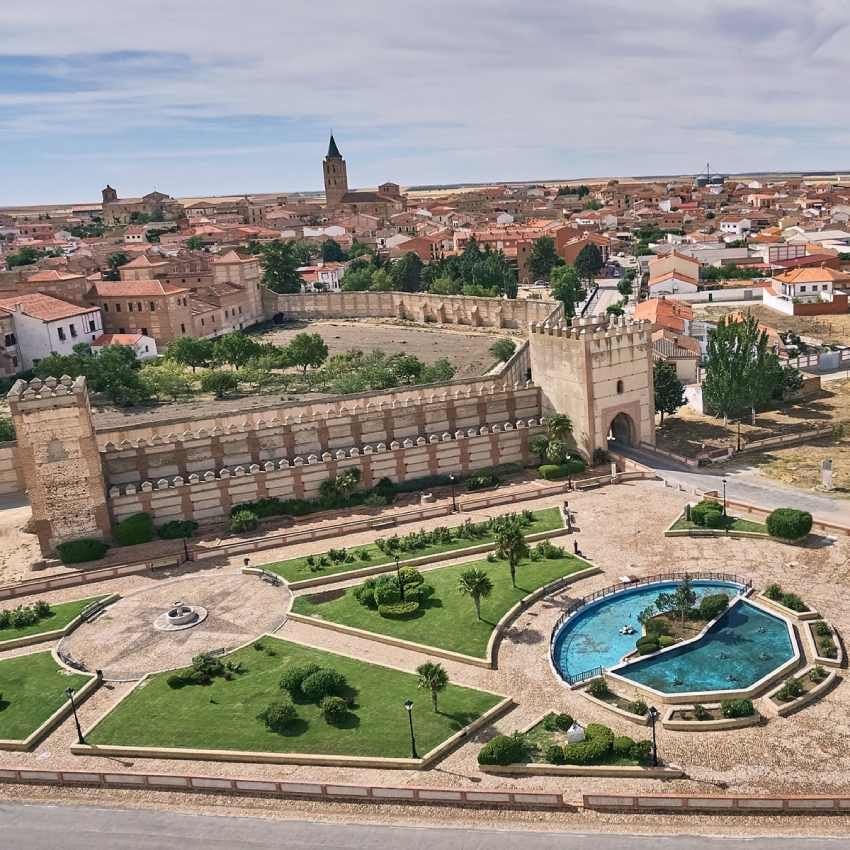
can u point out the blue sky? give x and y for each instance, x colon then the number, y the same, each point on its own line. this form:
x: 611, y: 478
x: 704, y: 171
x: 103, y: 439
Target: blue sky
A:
x: 214, y: 98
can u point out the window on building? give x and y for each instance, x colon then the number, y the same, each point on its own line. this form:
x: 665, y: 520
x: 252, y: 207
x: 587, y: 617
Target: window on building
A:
x: 9, y: 339
x: 105, y: 307
x: 15, y: 362
x: 36, y: 361
x: 202, y: 323
x: 61, y: 333
x: 139, y: 306
x: 92, y: 325
x: 182, y: 328
x: 144, y: 331
x: 152, y: 306
x: 619, y: 387
x: 803, y: 288
x: 130, y: 306
x: 121, y: 330
x: 73, y: 329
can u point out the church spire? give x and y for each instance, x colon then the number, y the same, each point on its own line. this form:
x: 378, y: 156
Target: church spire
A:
x: 333, y: 150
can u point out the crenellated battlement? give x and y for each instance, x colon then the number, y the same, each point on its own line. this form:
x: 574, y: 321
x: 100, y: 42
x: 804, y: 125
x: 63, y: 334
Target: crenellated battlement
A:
x: 74, y: 389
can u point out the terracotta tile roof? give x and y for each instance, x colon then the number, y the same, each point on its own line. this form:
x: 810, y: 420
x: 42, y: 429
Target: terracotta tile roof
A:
x: 817, y: 274
x: 43, y: 307
x: 674, y: 346
x: 233, y: 257
x: 116, y: 339
x: 665, y: 313
x: 50, y: 275
x: 143, y: 262
x: 133, y: 288
x: 655, y: 279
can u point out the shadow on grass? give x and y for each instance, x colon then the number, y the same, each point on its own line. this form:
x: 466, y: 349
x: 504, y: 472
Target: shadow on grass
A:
x: 4, y: 704
x: 458, y: 719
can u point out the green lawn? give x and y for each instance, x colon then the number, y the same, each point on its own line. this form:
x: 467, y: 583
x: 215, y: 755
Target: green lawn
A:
x: 733, y: 523
x: 446, y: 620
x: 297, y: 569
x: 32, y: 687
x: 539, y: 739
x: 223, y: 715
x: 61, y: 614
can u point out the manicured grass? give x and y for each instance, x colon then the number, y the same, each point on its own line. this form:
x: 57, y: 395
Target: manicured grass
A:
x: 32, y: 687
x: 61, y: 614
x: 223, y: 715
x: 446, y: 620
x: 297, y: 569
x: 539, y: 739
x: 733, y: 524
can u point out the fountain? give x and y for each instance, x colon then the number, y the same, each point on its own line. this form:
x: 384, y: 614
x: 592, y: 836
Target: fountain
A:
x: 180, y: 616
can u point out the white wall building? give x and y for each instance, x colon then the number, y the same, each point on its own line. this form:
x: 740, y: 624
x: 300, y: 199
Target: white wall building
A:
x: 144, y: 347
x: 44, y: 325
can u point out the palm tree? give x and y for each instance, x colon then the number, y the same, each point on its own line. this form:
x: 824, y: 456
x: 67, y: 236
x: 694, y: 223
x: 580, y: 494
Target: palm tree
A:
x: 511, y: 546
x: 476, y: 584
x: 559, y: 427
x: 434, y: 678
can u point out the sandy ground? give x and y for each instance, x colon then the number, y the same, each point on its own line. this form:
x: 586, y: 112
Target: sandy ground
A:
x: 466, y: 349
x: 806, y: 753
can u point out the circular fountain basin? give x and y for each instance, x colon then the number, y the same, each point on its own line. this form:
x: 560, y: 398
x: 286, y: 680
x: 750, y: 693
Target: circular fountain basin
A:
x: 180, y: 617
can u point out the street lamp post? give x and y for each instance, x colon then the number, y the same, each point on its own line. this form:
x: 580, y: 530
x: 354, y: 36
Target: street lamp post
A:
x: 398, y: 577
x: 408, y: 704
x: 453, y: 481
x: 654, y: 714
x: 724, y: 496
x: 739, y: 435
x: 69, y: 692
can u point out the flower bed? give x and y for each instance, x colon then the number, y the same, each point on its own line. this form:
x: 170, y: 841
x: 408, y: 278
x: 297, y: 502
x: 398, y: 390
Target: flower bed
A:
x: 711, y: 717
x: 798, y: 691
x: 633, y: 710
x: 827, y: 647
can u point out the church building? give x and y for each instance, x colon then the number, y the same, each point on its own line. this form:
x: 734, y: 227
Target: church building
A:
x: 387, y: 201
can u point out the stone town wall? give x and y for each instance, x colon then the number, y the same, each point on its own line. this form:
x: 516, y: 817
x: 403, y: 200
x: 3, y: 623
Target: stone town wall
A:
x: 516, y: 313
x: 208, y: 497
x: 11, y: 481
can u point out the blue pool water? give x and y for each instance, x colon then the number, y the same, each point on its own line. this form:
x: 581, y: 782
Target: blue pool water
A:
x: 591, y: 637
x: 743, y: 646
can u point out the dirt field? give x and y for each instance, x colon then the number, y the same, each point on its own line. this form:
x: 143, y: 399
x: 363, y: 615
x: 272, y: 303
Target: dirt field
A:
x: 466, y: 349
x: 688, y: 432
x: 830, y: 329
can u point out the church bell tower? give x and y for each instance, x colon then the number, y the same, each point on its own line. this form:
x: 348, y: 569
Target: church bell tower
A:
x: 336, y: 176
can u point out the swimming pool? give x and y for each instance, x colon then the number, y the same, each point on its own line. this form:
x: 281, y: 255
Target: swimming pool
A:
x: 591, y: 637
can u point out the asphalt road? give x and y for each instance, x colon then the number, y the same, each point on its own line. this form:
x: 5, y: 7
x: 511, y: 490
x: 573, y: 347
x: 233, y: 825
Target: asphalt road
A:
x: 40, y: 827
x: 743, y: 485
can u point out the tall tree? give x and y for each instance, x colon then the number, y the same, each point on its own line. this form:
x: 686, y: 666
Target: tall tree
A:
x: 332, y: 251
x: 279, y: 268
x: 567, y: 288
x: 406, y: 273
x: 307, y: 350
x: 669, y: 390
x: 589, y: 261
x: 433, y: 678
x: 236, y: 349
x: 543, y: 257
x: 191, y: 351
x: 559, y: 427
x: 475, y: 584
x: 510, y: 544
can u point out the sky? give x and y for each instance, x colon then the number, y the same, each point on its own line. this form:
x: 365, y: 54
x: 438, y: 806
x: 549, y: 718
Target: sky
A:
x: 225, y: 97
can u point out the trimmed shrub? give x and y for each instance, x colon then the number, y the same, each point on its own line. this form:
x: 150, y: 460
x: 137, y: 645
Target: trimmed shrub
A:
x: 80, y: 551
x: 563, y: 722
x: 638, y: 707
x: 665, y: 640
x: 791, y: 689
x: 323, y: 683
x: 136, y: 529
x: 699, y: 510
x: 598, y: 731
x: 827, y: 648
x: 648, y: 644
x: 623, y: 746
x: 596, y: 746
x: 279, y: 716
x: 481, y: 479
x: 293, y: 676
x: 792, y: 601
x: 713, y: 519
x: 554, y: 754
x: 774, y: 592
x: 598, y: 688
x: 334, y: 709
x: 713, y: 605
x: 789, y: 524
x: 243, y: 520
x: 399, y: 610
x: 737, y: 708
x: 641, y: 751
x: 177, y: 528
x: 822, y: 628
x: 205, y: 667
x: 556, y: 471
x: 504, y: 749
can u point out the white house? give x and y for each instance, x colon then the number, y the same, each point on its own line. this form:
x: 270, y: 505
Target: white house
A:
x: 143, y: 346
x: 322, y: 277
x: 44, y: 325
x: 738, y: 228
x: 134, y: 235
x: 504, y: 218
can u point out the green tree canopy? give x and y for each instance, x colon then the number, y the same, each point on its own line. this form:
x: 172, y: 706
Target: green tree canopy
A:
x: 432, y: 678
x: 669, y: 390
x: 510, y: 544
x: 332, y: 251
x: 307, y: 350
x: 191, y: 351
x: 589, y: 261
x: 476, y: 584
x: 279, y: 268
x: 406, y: 273
x: 236, y: 348
x: 543, y: 257
x: 219, y: 382
x: 567, y: 288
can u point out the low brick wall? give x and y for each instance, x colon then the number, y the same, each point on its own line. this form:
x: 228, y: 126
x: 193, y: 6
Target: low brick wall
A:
x: 593, y: 770
x: 743, y: 805
x: 11, y: 478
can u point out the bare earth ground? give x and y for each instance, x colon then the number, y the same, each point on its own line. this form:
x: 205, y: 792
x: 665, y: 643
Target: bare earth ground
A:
x: 808, y: 752
x: 687, y: 432
x: 830, y: 329
x: 466, y: 349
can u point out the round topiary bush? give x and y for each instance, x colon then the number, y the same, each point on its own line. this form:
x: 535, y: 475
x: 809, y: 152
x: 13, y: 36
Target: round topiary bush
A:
x: 399, y: 610
x: 137, y: 528
x: 80, y: 551
x: 177, y: 528
x: 280, y: 716
x: 334, y: 709
x: 647, y: 645
x: 293, y: 676
x: 699, y: 510
x: 322, y: 683
x: 554, y: 754
x: 504, y: 749
x: 563, y: 722
x: 789, y: 524
x: 713, y: 519
x: 623, y: 746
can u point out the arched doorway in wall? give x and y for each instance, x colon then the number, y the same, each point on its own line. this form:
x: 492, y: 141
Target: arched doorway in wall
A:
x: 623, y: 430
